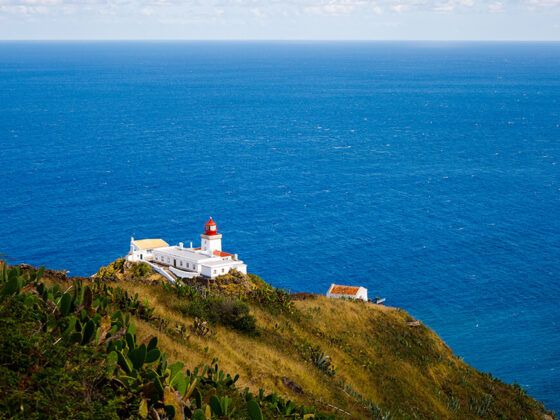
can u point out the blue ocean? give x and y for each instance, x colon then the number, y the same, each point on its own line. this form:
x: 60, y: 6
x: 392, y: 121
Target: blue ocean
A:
x: 428, y: 172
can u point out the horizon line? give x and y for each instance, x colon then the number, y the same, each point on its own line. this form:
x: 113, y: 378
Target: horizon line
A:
x: 271, y: 40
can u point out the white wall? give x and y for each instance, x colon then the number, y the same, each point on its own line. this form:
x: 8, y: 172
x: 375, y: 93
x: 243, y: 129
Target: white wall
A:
x: 207, y: 271
x: 211, y: 245
x: 362, y: 294
x: 168, y: 260
x: 136, y: 253
x: 200, y: 267
x: 182, y: 274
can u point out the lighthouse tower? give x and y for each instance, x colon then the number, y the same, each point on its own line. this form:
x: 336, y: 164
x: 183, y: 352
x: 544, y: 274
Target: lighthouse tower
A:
x: 211, y: 239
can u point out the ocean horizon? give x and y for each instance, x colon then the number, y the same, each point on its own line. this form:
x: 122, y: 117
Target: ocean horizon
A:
x: 427, y: 172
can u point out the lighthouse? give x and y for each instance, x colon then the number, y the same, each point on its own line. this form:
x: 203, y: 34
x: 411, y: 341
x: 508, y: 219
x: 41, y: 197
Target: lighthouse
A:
x: 208, y: 261
x: 211, y: 240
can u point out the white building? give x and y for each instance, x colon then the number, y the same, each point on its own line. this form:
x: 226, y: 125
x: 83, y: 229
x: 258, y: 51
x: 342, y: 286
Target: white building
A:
x: 350, y: 292
x: 142, y: 249
x: 208, y: 260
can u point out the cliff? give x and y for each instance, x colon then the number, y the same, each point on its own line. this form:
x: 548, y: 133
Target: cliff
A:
x: 285, y: 355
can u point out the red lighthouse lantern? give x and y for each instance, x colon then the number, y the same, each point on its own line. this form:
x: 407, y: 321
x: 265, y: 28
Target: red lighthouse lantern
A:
x: 211, y: 228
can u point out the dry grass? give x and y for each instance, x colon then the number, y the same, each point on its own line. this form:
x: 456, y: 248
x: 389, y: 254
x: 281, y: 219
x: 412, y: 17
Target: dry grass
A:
x: 406, y: 371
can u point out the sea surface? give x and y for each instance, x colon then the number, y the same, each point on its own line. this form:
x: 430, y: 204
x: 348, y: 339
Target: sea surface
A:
x: 427, y: 172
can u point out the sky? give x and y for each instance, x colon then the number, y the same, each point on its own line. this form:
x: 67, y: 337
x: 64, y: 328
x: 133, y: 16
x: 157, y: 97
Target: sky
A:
x: 280, y: 19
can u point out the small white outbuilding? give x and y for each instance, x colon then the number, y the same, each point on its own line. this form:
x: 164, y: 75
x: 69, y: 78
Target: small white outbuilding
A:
x: 350, y: 292
x: 143, y: 249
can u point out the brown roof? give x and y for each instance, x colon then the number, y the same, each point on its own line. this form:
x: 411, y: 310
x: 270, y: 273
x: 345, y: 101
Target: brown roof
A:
x: 344, y: 290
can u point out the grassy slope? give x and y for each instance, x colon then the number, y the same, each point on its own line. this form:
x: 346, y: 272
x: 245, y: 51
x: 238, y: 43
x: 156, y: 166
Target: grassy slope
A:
x: 408, y: 372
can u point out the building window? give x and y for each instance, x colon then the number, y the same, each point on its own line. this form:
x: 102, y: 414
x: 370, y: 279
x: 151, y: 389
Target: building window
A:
x: 181, y: 263
x: 223, y: 270
x: 168, y: 260
x: 194, y: 266
x: 214, y: 271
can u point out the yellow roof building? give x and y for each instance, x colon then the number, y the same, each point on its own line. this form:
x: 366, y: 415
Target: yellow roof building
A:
x: 150, y: 243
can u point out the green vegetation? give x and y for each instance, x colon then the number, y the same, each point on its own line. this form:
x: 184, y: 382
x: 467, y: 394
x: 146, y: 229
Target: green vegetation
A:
x: 126, y: 344
x: 74, y: 354
x: 218, y: 309
x: 117, y: 269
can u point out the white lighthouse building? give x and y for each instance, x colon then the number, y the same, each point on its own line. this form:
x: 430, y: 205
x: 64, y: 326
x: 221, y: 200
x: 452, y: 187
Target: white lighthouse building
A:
x: 208, y: 260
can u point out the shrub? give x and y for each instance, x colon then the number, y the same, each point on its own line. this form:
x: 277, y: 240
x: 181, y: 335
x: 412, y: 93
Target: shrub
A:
x: 234, y: 313
x: 257, y: 281
x: 119, y: 265
x: 317, y: 357
x: 195, y: 308
x: 112, y: 269
x: 272, y: 299
x: 140, y: 270
x: 68, y: 354
x: 59, y: 381
x: 220, y: 310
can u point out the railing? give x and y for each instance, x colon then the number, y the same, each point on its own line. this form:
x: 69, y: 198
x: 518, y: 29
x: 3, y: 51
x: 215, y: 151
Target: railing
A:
x: 183, y: 274
x: 161, y: 271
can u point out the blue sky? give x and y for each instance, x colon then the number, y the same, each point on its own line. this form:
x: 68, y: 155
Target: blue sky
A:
x: 281, y: 20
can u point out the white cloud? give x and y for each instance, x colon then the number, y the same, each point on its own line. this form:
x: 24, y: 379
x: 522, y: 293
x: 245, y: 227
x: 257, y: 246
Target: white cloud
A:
x: 41, y: 2
x: 251, y: 10
x: 24, y: 10
x: 444, y: 7
x: 495, y: 7
x: 543, y: 3
x: 400, y: 8
x: 330, y: 9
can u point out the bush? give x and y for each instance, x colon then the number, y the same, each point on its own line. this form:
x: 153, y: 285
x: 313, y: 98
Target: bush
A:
x: 273, y: 300
x: 234, y: 313
x: 119, y: 265
x: 195, y: 308
x: 220, y: 310
x: 112, y: 269
x: 41, y: 379
x: 68, y: 354
x: 140, y: 270
x: 256, y: 280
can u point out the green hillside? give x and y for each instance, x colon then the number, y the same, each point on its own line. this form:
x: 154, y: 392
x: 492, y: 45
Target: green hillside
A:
x: 126, y: 344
